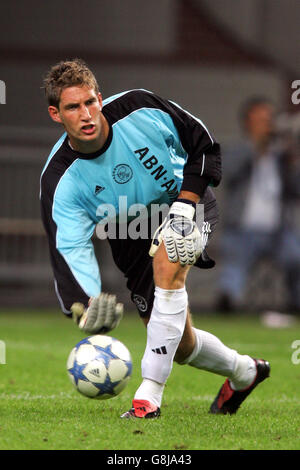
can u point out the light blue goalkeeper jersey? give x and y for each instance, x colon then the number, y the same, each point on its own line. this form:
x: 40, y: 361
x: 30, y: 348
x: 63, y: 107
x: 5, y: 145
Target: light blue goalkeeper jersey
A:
x: 154, y: 149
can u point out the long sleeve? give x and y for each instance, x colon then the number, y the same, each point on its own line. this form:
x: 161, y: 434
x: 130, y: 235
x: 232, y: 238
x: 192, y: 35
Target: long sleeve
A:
x: 203, y: 165
x: 69, y: 230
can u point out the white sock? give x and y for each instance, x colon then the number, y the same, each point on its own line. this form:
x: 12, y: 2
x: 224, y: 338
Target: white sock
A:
x: 212, y: 355
x: 244, y: 373
x: 151, y: 391
x: 164, y: 332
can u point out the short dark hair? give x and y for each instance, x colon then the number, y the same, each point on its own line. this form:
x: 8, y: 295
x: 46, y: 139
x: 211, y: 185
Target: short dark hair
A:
x: 67, y: 73
x: 250, y: 104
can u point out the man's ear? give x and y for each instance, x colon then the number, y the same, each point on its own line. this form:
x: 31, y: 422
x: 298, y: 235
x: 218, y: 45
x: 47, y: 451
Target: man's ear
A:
x: 100, y: 100
x: 54, y: 114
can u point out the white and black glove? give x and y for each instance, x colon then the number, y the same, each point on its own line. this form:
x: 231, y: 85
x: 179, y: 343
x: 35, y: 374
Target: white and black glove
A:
x: 102, y: 315
x: 181, y: 236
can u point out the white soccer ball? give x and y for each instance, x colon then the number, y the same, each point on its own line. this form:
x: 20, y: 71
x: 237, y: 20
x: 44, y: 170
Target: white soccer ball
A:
x: 99, y: 367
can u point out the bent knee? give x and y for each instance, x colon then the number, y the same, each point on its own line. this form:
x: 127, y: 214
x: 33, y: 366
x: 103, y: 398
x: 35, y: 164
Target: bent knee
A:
x: 182, y: 354
x: 187, y: 343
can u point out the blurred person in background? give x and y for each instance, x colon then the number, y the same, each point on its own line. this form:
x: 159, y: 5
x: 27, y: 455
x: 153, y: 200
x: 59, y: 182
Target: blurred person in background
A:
x: 261, y: 177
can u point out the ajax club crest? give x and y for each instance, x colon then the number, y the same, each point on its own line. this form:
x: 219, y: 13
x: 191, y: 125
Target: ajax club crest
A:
x: 122, y: 173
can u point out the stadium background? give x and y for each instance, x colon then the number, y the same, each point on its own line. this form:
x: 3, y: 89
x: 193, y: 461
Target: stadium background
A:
x: 207, y: 55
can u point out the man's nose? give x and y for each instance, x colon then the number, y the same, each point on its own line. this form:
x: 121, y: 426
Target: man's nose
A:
x: 85, y: 113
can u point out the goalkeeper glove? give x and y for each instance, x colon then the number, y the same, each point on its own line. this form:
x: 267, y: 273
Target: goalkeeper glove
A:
x: 182, y: 238
x: 102, y: 315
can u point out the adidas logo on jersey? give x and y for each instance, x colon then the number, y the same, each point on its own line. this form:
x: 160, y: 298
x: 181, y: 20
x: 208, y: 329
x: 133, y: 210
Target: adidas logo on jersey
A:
x: 161, y: 350
x: 98, y: 189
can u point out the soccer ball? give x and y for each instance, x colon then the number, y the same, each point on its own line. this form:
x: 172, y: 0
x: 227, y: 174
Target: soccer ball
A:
x: 99, y: 367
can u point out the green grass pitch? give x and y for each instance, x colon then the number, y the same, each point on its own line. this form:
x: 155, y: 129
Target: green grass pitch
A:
x: 40, y: 409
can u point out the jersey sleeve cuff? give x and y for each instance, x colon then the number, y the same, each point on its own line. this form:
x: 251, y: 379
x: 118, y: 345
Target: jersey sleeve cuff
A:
x: 195, y: 184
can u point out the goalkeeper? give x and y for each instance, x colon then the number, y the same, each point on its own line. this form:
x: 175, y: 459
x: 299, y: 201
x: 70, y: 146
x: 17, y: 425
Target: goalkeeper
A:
x: 149, y: 149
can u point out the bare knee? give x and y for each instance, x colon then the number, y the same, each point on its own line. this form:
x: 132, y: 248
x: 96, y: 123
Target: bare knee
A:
x: 183, y: 352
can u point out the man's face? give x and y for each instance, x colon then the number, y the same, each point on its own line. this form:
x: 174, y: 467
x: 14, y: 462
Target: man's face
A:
x: 80, y: 113
x: 260, y: 123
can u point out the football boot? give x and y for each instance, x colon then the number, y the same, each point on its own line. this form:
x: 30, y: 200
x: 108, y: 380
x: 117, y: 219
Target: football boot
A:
x: 228, y: 400
x: 142, y: 409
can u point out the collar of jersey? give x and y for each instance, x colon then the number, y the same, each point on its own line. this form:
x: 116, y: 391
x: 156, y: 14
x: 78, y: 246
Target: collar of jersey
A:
x: 90, y: 156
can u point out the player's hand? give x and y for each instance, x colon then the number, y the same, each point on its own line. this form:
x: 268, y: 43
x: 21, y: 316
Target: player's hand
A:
x: 183, y: 241
x: 102, y: 315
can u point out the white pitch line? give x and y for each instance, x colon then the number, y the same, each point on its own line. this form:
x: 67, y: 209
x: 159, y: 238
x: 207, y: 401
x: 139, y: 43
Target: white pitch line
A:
x: 203, y: 397
x: 26, y: 346
x: 255, y: 347
x: 28, y: 396
x: 279, y: 399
